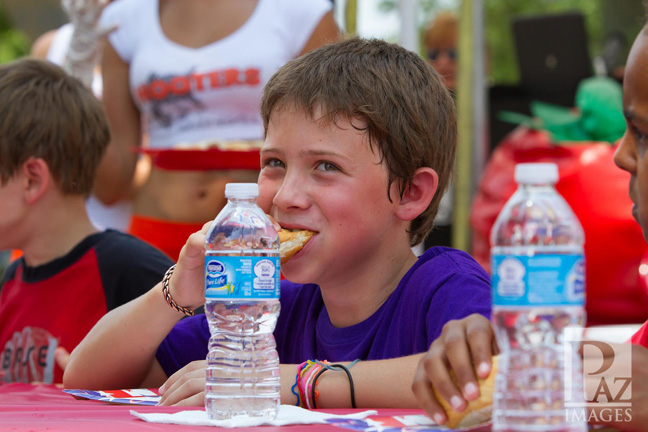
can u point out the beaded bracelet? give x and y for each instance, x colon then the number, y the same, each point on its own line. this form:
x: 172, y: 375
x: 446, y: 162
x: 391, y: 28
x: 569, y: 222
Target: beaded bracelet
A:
x: 167, y: 295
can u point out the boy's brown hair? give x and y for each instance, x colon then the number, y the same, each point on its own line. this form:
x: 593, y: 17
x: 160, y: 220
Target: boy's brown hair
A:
x: 409, y: 113
x: 47, y: 114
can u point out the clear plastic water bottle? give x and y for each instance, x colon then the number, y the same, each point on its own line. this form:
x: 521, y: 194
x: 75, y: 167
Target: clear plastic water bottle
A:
x: 538, y: 291
x: 242, y: 280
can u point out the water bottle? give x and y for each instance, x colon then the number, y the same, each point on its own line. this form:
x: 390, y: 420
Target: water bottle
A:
x: 242, y: 280
x: 538, y: 292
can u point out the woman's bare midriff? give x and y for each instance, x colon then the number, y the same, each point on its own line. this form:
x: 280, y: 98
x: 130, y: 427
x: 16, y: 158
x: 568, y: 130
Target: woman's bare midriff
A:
x: 187, y: 196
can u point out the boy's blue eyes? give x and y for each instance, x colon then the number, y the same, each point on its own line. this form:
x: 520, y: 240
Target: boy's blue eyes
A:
x: 273, y: 163
x: 327, y: 166
x: 321, y: 166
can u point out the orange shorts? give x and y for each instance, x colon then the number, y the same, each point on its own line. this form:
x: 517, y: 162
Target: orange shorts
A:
x: 167, y: 236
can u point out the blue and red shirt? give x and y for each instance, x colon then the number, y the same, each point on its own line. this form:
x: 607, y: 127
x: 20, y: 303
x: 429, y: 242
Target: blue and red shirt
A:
x: 57, y: 303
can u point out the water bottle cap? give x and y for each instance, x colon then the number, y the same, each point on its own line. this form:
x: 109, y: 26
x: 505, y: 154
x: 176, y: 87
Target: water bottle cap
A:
x: 536, y: 173
x: 241, y: 190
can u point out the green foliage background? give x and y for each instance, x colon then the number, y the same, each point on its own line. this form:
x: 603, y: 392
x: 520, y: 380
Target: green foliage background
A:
x: 627, y: 14
x: 498, y: 15
x: 13, y: 43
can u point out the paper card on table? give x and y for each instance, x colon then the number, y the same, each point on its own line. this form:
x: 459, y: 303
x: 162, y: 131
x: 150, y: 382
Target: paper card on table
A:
x: 123, y: 396
x: 412, y: 422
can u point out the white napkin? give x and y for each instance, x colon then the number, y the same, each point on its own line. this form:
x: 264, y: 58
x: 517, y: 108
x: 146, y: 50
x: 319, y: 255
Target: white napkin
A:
x: 288, y: 415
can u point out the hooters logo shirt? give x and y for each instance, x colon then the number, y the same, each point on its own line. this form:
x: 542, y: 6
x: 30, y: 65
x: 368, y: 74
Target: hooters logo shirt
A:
x: 188, y: 95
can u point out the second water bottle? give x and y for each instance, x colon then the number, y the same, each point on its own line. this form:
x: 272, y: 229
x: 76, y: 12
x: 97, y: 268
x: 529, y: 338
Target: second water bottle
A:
x: 538, y: 279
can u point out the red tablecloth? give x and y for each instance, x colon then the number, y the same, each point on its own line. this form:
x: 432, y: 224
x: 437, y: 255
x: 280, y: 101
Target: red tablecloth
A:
x: 25, y: 407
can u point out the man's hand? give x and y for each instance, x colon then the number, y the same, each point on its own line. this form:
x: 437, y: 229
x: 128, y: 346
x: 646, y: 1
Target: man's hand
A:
x: 463, y: 346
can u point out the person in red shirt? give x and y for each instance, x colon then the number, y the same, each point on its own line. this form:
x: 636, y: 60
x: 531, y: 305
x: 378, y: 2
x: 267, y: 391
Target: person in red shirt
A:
x: 467, y: 345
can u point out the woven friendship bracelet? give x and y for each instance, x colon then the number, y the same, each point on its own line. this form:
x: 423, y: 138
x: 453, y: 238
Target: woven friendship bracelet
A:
x: 167, y: 295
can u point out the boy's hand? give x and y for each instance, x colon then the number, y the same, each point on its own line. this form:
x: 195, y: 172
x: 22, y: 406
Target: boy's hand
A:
x: 62, y: 356
x: 187, y: 284
x: 463, y: 346
x: 275, y: 224
x: 186, y: 387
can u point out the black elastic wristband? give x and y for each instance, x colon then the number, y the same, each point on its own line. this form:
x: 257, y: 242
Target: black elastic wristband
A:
x: 348, y: 373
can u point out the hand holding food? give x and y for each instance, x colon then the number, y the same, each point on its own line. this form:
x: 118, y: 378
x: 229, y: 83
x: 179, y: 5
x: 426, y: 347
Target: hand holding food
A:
x: 478, y: 410
x: 451, y: 369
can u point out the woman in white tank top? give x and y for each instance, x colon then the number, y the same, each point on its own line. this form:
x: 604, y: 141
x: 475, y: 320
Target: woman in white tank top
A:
x: 184, y: 72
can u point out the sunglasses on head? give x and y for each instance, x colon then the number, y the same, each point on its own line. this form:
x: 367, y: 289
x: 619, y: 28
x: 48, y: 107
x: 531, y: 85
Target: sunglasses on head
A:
x: 450, y: 52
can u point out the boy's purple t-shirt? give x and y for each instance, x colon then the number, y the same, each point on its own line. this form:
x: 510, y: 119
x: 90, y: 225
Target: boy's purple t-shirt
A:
x: 443, y: 285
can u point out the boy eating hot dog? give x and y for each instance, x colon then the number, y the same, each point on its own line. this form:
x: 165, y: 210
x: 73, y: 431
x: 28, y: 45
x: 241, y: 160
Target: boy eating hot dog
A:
x: 360, y: 145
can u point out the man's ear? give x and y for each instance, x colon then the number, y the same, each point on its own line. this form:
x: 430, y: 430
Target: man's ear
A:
x: 419, y: 195
x: 37, y: 179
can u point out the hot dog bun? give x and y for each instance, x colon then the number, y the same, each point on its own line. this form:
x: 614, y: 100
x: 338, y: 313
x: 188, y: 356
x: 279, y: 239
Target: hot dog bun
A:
x: 478, y: 410
x: 292, y: 242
